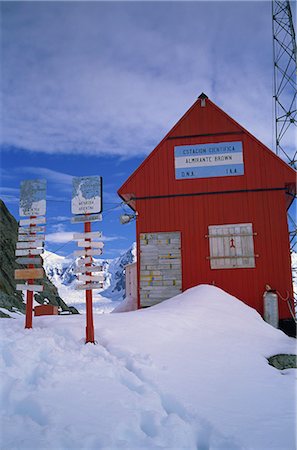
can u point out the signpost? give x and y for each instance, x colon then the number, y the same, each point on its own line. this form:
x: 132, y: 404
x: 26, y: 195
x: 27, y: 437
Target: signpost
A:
x: 30, y: 243
x: 87, y: 205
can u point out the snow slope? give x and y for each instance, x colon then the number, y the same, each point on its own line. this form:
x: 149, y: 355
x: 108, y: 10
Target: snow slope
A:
x: 189, y: 373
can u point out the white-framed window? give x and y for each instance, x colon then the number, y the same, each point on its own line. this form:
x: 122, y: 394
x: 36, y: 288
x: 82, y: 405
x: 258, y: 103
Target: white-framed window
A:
x: 231, y: 246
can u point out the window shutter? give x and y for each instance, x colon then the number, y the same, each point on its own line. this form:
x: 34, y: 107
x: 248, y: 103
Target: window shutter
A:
x: 231, y: 246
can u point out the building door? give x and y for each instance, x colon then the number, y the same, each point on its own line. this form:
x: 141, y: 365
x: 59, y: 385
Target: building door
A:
x: 160, y: 267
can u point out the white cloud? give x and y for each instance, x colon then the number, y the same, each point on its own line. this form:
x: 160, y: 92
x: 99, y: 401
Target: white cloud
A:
x: 59, y: 219
x: 60, y: 237
x: 112, y: 78
x: 111, y: 238
x: 49, y: 174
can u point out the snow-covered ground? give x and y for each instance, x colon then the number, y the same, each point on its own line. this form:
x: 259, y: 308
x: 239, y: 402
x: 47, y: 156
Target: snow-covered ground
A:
x: 189, y: 373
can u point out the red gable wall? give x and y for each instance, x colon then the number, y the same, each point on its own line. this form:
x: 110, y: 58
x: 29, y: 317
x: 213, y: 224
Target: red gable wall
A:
x: 262, y: 202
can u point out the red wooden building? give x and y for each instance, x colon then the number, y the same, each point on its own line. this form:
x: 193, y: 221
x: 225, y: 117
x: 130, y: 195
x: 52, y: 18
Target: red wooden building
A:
x: 211, y: 203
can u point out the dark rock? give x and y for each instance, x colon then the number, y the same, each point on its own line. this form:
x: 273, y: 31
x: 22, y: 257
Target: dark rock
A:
x: 73, y: 310
x: 283, y: 361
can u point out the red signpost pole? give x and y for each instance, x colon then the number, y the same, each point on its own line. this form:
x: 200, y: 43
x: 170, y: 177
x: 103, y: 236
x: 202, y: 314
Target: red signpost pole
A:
x: 89, y: 299
x: 29, y: 302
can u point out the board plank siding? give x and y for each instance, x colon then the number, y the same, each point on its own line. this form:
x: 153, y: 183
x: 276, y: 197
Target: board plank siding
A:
x: 35, y: 221
x: 29, y: 287
x: 90, y: 235
x: 28, y: 274
x: 160, y: 267
x: 91, y: 244
x: 27, y: 252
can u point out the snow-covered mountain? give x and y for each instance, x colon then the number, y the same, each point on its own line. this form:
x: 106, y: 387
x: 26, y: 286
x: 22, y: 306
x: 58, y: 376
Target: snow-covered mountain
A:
x: 61, y: 271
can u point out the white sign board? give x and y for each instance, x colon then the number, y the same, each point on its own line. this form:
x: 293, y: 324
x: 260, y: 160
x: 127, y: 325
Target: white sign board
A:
x: 87, y: 218
x: 29, y: 287
x: 30, y: 222
x: 33, y: 198
x: 220, y: 159
x: 86, y: 195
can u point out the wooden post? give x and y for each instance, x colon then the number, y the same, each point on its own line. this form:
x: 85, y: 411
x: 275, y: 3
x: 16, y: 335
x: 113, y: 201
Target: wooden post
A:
x: 29, y: 302
x: 89, y: 299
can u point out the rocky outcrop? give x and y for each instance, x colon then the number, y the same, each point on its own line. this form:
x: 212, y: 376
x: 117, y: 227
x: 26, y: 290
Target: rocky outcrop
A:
x: 10, y: 299
x: 283, y: 361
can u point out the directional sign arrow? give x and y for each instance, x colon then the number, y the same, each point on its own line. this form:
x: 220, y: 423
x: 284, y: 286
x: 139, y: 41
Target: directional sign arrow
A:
x: 31, y: 230
x: 87, y: 218
x: 88, y: 252
x: 82, y: 262
x: 32, y: 221
x: 30, y: 251
x: 90, y: 286
x: 90, y: 235
x: 91, y: 278
x: 84, y: 269
x: 35, y: 261
x: 28, y: 274
x: 34, y: 244
x: 31, y: 238
x: 87, y: 244
x: 29, y: 287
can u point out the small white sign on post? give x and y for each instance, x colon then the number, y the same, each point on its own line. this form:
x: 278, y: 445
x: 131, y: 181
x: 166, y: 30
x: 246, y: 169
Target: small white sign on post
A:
x: 34, y: 221
x: 33, y: 230
x: 31, y: 244
x: 86, y: 218
x: 96, y: 252
x: 86, y: 195
x: 33, y: 198
x: 87, y: 260
x: 87, y: 244
x: 90, y: 286
x: 91, y: 235
x: 90, y: 269
x: 29, y: 251
x: 91, y: 278
x: 30, y: 238
x: 29, y: 287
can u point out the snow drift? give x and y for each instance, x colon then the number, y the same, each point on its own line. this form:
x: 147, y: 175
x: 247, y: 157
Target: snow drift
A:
x: 188, y: 373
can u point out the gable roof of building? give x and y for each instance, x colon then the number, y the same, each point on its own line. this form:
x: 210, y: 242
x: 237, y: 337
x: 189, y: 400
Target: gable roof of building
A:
x: 233, y: 128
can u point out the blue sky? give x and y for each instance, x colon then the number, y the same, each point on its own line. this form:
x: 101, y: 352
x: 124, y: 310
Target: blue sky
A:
x: 90, y: 88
